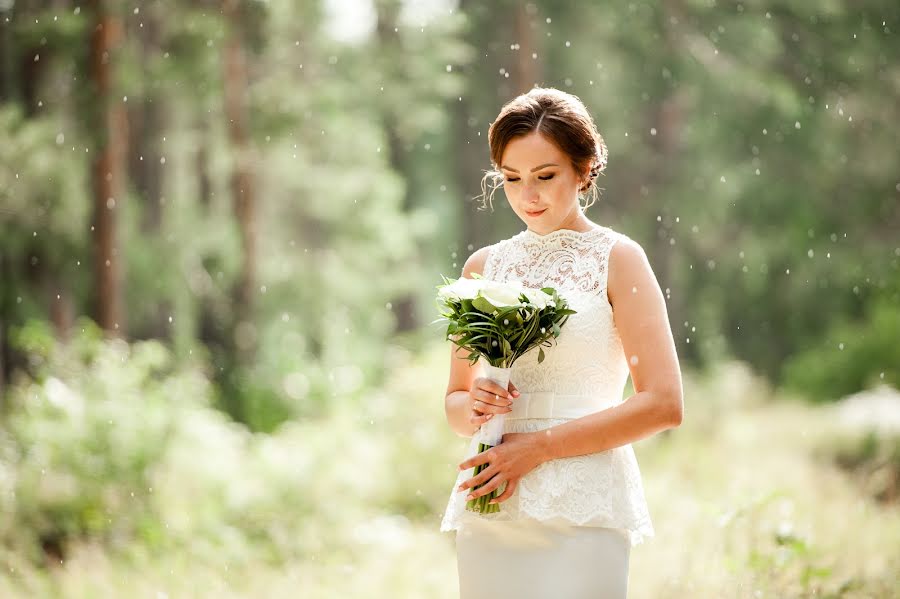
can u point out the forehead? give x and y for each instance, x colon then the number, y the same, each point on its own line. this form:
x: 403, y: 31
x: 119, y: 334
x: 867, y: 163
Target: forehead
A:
x: 531, y: 150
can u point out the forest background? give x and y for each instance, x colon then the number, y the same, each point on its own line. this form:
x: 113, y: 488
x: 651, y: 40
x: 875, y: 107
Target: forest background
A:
x: 221, y: 228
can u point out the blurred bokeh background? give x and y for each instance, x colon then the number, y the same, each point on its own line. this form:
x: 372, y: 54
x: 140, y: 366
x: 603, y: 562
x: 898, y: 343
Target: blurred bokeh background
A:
x: 221, y: 228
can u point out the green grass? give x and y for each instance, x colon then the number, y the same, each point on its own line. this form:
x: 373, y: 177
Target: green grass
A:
x: 749, y: 498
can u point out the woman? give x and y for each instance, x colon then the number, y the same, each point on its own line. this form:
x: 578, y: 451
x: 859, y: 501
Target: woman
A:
x: 573, y: 503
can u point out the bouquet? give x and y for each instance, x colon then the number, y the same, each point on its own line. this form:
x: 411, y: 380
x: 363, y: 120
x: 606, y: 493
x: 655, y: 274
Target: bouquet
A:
x: 497, y: 323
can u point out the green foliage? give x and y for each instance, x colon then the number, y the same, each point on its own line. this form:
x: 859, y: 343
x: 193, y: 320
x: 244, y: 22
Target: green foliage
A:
x: 84, y: 436
x: 120, y: 444
x: 44, y: 206
x: 501, y: 334
x: 856, y: 354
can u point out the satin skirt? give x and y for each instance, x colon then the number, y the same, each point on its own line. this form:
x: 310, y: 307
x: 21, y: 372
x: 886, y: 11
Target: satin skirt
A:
x: 531, y: 559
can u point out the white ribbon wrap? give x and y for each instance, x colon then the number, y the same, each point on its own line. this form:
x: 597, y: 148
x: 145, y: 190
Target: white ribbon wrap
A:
x: 491, y: 432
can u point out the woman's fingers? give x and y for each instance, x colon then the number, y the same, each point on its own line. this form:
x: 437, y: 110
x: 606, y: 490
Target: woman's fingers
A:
x: 496, y: 399
x: 480, y: 419
x: 487, y: 488
x: 507, y: 493
x: 485, y: 407
x: 478, y: 479
x: 488, y: 398
x: 491, y: 388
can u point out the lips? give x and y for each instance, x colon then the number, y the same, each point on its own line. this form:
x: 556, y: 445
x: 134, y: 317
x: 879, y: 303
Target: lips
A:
x: 537, y: 213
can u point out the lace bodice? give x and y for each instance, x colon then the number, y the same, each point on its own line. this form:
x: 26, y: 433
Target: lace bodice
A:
x: 599, y: 489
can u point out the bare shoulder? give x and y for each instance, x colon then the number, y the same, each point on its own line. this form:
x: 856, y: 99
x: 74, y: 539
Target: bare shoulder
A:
x: 625, y: 252
x: 475, y: 263
x: 628, y: 268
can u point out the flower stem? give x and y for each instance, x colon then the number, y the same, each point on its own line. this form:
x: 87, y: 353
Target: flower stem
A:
x: 482, y: 503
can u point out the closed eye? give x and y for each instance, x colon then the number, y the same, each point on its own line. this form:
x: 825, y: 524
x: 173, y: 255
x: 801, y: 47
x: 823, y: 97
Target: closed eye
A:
x: 512, y: 180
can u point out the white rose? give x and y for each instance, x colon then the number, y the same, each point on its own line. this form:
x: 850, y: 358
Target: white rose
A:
x: 537, y: 297
x: 461, y: 288
x: 501, y: 295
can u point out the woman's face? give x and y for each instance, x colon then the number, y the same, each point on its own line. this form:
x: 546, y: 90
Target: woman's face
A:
x: 540, y: 183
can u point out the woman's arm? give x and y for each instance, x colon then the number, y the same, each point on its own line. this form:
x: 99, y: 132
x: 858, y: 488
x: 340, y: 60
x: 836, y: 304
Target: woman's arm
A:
x: 640, y: 315
x: 462, y: 373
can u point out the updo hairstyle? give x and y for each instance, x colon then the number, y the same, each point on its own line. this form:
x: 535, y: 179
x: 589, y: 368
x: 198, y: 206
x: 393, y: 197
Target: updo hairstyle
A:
x: 560, y: 117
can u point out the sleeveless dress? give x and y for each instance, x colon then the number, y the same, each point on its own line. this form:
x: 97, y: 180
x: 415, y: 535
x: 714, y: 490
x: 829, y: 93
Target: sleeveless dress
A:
x: 568, y: 528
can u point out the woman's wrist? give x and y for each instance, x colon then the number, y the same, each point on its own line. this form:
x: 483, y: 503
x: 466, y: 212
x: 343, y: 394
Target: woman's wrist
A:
x: 546, y: 447
x: 458, y: 407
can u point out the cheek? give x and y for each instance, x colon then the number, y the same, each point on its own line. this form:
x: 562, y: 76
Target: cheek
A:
x: 565, y: 186
x: 558, y: 189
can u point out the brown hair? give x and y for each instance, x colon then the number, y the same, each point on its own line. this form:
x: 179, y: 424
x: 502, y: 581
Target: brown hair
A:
x: 559, y: 116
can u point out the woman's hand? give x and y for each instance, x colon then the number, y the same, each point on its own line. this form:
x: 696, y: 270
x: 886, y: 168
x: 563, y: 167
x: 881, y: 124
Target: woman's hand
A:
x: 487, y: 398
x: 517, y: 455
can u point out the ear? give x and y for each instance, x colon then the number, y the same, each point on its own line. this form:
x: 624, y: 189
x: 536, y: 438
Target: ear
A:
x: 585, y: 177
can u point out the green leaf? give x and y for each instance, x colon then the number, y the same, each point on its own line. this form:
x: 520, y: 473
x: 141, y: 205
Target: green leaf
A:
x: 480, y: 326
x: 540, y: 355
x: 483, y: 305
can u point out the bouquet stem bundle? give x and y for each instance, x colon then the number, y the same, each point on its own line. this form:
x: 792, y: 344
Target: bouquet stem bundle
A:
x: 490, y: 435
x: 498, y: 322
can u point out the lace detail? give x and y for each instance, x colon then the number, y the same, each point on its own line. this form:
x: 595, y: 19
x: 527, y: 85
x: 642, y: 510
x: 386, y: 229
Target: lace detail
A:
x: 599, y: 489
x: 564, y: 259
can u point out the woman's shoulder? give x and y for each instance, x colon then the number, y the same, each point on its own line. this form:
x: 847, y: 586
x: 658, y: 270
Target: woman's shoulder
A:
x: 476, y: 262
x: 627, y: 266
x: 621, y: 247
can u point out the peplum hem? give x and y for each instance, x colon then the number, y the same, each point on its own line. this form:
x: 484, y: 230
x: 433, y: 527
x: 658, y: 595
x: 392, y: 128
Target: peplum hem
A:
x: 602, y: 489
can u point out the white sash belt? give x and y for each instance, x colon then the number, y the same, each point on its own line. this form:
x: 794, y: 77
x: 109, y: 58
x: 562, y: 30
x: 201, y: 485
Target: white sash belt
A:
x: 549, y: 404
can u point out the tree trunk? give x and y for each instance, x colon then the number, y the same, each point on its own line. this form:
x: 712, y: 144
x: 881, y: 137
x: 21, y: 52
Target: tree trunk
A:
x: 242, y: 184
x: 108, y: 169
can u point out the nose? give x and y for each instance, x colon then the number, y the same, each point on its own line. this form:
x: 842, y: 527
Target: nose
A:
x: 529, y: 193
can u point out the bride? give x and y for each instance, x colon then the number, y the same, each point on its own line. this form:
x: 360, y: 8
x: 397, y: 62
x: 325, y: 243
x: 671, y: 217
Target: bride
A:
x: 573, y: 504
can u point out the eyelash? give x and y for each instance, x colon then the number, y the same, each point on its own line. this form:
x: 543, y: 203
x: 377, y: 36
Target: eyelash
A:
x: 547, y: 178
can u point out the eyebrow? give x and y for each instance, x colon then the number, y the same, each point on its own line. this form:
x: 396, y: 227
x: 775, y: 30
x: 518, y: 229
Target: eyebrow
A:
x: 537, y: 168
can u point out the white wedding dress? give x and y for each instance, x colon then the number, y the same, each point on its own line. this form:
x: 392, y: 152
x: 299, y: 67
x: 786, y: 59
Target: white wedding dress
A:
x: 568, y: 528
